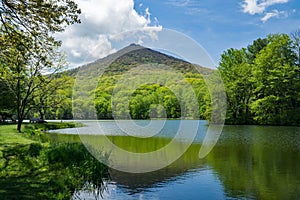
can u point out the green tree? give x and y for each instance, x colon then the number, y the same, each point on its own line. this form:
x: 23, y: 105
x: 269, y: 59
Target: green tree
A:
x: 28, y: 47
x: 236, y: 72
x: 56, y: 94
x: 275, y: 80
x: 261, y: 82
x: 254, y: 49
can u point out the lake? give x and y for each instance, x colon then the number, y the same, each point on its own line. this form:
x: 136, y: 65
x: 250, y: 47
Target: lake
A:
x: 248, y: 162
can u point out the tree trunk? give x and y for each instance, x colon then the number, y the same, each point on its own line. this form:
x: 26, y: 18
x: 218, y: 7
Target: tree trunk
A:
x: 42, y: 115
x: 20, y: 121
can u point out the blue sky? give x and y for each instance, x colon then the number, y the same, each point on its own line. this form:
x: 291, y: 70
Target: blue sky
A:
x: 214, y: 24
x: 217, y: 25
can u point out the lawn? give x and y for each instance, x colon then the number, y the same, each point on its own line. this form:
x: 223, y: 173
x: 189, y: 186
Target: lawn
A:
x: 32, y: 169
x: 9, y: 136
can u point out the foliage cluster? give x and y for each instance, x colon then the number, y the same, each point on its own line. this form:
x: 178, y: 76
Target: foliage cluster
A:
x: 262, y: 82
x: 172, y: 99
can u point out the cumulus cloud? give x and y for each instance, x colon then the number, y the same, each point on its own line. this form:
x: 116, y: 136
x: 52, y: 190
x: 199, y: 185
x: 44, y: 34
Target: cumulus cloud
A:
x: 258, y: 7
x: 101, y: 19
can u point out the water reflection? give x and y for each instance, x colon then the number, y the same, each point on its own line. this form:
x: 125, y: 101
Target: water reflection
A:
x: 184, y: 165
x: 248, y: 162
x: 258, y: 162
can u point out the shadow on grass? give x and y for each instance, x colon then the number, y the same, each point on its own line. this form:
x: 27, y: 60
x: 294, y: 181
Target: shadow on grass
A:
x: 56, y: 172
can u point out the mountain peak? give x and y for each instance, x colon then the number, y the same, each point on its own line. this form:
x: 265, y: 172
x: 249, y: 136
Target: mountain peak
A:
x: 135, y: 45
x: 134, y: 55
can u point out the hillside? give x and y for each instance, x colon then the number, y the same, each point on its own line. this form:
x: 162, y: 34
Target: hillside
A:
x: 169, y: 80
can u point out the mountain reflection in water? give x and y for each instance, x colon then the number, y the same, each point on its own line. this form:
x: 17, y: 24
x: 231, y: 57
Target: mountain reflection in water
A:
x: 248, y: 162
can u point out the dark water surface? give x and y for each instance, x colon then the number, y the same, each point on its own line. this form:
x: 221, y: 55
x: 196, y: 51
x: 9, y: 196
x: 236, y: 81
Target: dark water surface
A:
x: 248, y: 162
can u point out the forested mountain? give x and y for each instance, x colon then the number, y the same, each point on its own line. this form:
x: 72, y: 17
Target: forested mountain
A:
x: 159, y: 77
x: 135, y: 55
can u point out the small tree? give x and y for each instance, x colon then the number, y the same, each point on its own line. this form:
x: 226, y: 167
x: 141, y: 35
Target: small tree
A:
x: 54, y: 95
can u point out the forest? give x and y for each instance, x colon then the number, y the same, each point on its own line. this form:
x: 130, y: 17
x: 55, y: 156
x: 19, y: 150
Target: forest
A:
x: 261, y: 82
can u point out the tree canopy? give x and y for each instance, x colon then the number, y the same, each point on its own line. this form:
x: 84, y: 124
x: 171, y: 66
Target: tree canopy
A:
x: 262, y: 82
x: 28, y: 48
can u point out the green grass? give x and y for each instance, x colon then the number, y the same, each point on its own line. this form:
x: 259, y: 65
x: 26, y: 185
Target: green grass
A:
x: 32, y: 169
x: 9, y: 136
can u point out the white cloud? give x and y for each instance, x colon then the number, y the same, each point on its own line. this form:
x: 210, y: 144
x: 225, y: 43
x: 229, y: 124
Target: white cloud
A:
x: 178, y: 3
x: 259, y: 6
x: 274, y: 13
x: 100, y: 20
x: 197, y: 11
x: 269, y: 15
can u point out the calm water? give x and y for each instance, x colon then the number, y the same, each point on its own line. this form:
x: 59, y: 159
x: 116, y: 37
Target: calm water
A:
x: 248, y: 162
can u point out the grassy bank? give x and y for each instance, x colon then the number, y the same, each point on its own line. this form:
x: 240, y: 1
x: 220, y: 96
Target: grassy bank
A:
x: 9, y: 136
x: 31, y: 168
